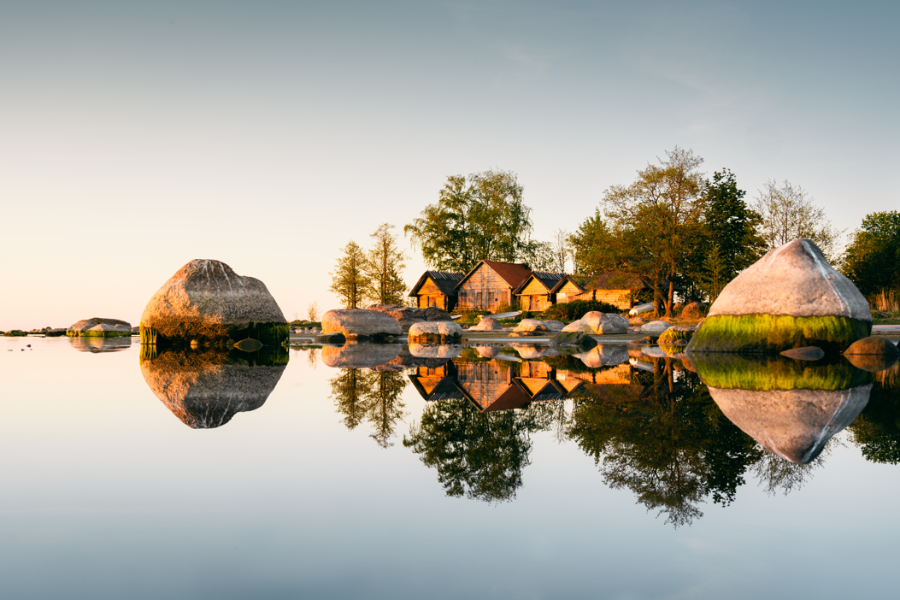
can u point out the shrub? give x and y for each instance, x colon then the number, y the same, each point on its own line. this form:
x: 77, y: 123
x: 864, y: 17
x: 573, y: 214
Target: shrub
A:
x: 572, y: 311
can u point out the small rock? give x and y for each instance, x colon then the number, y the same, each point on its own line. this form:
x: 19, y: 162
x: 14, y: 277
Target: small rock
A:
x: 693, y: 310
x: 872, y: 354
x: 810, y: 353
x: 655, y: 327
x: 487, y: 324
x: 249, y: 345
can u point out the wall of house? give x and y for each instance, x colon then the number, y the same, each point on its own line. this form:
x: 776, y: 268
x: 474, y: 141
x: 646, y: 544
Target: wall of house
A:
x: 484, y: 381
x: 484, y: 290
x: 621, y: 299
x: 567, y: 293
x: 534, y: 296
x: 431, y: 295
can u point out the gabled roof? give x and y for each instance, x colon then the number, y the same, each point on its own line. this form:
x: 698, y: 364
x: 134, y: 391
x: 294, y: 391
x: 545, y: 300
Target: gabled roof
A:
x: 579, y: 281
x: 512, y: 273
x: 548, y: 280
x: 446, y: 282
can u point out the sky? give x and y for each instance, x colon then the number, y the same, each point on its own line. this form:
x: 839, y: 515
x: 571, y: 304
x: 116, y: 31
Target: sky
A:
x: 137, y: 136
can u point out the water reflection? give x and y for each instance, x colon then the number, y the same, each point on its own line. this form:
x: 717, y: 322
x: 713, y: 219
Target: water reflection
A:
x: 370, y: 395
x: 96, y: 345
x: 877, y: 429
x: 206, y: 388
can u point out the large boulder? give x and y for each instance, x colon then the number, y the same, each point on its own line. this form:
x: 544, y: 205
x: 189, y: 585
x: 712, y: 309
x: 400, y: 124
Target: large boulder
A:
x: 97, y: 327
x: 605, y: 323
x: 794, y: 424
x: 790, y: 298
x: 574, y: 339
x: 604, y: 355
x: 207, y: 302
x: 435, y: 331
x: 356, y: 323
x: 436, y: 350
x: 487, y: 324
x: 353, y: 355
x: 655, y: 327
x: 408, y: 316
x: 206, y: 389
x: 553, y: 325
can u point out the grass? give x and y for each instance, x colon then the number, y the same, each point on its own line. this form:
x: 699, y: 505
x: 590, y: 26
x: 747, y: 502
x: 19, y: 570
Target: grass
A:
x: 771, y: 334
x: 307, y: 324
x: 886, y: 317
x: 766, y: 373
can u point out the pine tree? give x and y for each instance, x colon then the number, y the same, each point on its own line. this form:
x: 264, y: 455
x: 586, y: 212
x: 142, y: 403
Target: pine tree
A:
x: 350, y: 280
x: 384, y: 263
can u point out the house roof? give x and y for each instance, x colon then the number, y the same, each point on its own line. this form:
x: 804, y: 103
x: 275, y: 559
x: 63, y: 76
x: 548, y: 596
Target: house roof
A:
x: 446, y: 282
x: 581, y: 282
x: 512, y: 273
x: 548, y: 280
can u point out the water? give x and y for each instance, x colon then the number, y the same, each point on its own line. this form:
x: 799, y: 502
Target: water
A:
x: 622, y: 481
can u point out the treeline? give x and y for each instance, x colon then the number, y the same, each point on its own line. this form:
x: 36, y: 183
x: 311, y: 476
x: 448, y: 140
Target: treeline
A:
x: 673, y: 226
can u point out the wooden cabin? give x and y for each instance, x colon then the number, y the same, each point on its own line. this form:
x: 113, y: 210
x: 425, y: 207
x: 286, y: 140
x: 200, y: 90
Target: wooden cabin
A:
x: 490, y: 285
x: 436, y: 288
x: 536, y: 292
x: 612, y: 287
x: 568, y: 288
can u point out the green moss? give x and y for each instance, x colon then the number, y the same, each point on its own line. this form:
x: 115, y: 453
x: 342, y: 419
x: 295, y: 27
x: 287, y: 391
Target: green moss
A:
x: 766, y: 372
x: 100, y: 334
x: 270, y: 334
x: 14, y: 333
x: 432, y: 338
x: 671, y: 335
x: 771, y: 334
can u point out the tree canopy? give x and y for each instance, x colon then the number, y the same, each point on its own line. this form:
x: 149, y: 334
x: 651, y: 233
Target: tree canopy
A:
x: 384, y: 264
x: 788, y: 213
x: 479, y: 217
x: 872, y: 259
x: 350, y: 280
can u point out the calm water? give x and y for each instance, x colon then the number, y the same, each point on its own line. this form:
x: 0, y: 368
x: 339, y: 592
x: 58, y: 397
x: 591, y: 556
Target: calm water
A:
x: 510, y: 477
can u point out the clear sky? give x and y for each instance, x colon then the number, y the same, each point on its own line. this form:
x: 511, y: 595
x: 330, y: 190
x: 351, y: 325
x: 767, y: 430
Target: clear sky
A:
x: 136, y: 136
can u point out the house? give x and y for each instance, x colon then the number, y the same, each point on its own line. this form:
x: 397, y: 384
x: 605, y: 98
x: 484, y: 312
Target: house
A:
x: 612, y: 287
x: 436, y: 288
x: 536, y: 293
x: 490, y: 285
x: 569, y: 287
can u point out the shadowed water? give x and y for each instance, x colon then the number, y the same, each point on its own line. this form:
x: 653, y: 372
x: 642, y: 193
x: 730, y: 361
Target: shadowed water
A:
x: 340, y: 471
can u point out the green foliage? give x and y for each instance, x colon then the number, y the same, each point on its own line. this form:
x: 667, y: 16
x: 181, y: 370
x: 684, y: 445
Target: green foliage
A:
x: 270, y: 334
x: 766, y: 373
x: 771, y: 334
x: 472, y: 317
x: 16, y: 333
x: 350, y: 280
x: 482, y: 218
x: 572, y: 311
x: 872, y: 259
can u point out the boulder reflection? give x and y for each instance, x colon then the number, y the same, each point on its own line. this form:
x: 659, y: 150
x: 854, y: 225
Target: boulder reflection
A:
x: 98, y: 345
x: 206, y: 388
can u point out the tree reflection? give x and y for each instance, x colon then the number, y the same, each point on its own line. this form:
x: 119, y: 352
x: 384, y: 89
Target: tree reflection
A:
x: 477, y: 455
x: 373, y: 396
x: 672, y: 448
x: 877, y: 429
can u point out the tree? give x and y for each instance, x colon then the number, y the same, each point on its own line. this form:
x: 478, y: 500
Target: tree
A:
x: 482, y: 217
x: 788, y: 213
x: 350, y: 282
x: 383, y: 266
x: 590, y: 246
x: 656, y: 222
x: 541, y: 257
x: 312, y: 312
x: 872, y: 260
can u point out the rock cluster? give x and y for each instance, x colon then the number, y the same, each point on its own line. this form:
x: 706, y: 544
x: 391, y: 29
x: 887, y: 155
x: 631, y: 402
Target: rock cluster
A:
x: 208, y: 303
x: 435, y: 331
x: 97, y: 327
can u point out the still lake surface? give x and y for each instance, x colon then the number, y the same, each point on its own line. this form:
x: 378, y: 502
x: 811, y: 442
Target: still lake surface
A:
x: 504, y: 477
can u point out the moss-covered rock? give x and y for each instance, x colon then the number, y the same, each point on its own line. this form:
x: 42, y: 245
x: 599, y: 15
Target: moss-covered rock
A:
x: 788, y: 299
